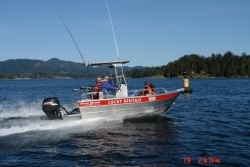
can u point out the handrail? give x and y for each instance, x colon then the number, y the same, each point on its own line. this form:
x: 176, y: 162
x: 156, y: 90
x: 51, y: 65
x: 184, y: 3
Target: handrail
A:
x: 156, y: 91
x: 85, y: 95
x: 131, y: 93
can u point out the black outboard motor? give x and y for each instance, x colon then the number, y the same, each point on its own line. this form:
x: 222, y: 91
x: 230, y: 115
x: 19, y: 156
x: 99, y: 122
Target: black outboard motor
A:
x: 52, y: 108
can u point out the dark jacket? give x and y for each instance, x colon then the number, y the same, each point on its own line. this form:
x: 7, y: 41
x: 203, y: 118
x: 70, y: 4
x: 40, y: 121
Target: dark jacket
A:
x: 106, y: 87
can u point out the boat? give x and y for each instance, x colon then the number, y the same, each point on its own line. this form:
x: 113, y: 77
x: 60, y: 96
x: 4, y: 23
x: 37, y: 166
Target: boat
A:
x: 121, y: 103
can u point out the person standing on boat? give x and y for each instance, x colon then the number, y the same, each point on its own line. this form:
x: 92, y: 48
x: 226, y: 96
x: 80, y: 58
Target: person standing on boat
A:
x: 106, y: 86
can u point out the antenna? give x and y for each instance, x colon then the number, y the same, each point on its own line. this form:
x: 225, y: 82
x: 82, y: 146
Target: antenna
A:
x: 117, y: 53
x: 71, y: 36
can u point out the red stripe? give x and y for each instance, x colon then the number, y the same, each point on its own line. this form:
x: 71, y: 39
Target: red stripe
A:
x: 166, y: 96
x: 128, y: 100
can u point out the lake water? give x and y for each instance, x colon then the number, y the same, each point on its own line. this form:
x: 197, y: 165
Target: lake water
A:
x: 210, y: 127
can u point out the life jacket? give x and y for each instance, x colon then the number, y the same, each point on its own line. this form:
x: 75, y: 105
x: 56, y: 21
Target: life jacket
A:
x: 96, y: 90
x: 152, y: 86
x: 147, y: 90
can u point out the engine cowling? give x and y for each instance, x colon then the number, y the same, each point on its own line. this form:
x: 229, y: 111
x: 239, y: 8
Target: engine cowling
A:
x: 51, y: 107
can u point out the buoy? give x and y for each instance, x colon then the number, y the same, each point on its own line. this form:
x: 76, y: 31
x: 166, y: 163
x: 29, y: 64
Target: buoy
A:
x: 186, y: 87
x: 185, y: 83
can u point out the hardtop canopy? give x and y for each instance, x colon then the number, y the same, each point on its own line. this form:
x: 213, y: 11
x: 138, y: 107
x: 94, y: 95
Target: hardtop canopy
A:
x: 108, y: 64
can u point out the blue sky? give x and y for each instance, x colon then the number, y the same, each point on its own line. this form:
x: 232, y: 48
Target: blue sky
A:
x: 148, y: 32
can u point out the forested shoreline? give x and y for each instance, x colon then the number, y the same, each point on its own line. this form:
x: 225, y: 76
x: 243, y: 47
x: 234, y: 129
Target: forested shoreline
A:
x: 217, y: 65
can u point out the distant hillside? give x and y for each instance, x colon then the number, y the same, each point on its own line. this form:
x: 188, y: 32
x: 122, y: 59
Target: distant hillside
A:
x: 217, y: 65
x: 197, y: 66
x: 52, y: 68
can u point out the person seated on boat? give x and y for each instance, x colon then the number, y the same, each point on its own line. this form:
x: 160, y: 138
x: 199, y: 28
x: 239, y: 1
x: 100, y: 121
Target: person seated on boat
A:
x: 106, y: 87
x: 147, y: 89
x: 97, y: 88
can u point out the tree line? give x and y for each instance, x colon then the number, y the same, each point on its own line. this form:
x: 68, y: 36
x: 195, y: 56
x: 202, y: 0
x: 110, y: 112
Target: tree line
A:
x: 217, y: 65
x: 41, y: 75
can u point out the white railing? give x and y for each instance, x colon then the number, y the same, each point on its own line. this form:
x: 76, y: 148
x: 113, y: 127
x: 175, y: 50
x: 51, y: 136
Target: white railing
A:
x: 131, y: 93
x: 89, y: 95
x: 138, y: 92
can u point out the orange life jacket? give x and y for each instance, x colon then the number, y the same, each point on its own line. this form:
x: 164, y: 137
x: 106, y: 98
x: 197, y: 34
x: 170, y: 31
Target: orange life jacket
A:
x: 147, y: 90
x: 96, y: 89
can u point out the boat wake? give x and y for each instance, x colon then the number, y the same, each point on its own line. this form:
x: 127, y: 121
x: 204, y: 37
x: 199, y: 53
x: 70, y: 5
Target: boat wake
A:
x: 22, y: 118
x: 25, y: 126
x: 20, y: 109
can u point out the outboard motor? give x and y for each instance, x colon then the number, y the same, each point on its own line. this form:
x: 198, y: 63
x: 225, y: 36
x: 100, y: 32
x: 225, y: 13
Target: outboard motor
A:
x: 52, y: 108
